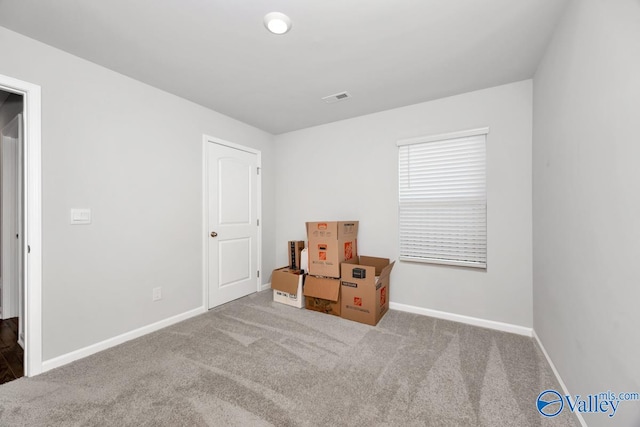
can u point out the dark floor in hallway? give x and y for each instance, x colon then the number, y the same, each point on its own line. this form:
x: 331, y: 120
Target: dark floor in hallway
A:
x: 11, y: 354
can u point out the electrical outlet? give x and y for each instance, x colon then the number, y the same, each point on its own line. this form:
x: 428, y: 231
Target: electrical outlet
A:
x: 157, y: 294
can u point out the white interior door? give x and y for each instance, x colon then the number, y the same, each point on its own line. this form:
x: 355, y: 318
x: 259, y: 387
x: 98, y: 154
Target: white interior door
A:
x: 233, y: 223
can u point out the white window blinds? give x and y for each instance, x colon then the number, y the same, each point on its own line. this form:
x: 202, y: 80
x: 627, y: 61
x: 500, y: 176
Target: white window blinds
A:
x: 442, y: 199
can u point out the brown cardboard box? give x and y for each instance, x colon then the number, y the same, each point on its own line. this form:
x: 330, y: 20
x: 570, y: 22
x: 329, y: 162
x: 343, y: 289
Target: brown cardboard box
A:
x: 287, y: 286
x: 294, y: 248
x: 365, y: 289
x: 331, y: 243
x: 322, y: 294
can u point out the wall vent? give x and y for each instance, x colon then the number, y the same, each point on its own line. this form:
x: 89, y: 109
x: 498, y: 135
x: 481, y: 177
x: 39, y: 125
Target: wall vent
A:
x: 336, y: 97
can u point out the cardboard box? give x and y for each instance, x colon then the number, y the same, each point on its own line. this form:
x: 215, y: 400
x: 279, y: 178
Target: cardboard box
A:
x: 331, y: 243
x: 365, y: 289
x: 287, y: 285
x: 322, y: 294
x: 295, y: 247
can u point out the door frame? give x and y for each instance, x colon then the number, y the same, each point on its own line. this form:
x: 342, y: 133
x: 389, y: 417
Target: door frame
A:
x: 32, y: 250
x: 206, y: 141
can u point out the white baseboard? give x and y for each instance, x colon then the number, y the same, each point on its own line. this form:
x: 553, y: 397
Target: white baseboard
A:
x: 265, y: 286
x: 56, y: 362
x: 475, y: 321
x: 583, y: 423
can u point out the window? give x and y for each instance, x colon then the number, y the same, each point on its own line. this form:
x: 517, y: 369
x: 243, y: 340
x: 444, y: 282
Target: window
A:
x: 443, y: 199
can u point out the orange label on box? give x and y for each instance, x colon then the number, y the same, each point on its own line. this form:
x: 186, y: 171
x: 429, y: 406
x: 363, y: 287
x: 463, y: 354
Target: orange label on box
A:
x: 357, y: 301
x: 322, y: 252
x: 348, y: 250
x: 322, y: 226
x: 383, y: 296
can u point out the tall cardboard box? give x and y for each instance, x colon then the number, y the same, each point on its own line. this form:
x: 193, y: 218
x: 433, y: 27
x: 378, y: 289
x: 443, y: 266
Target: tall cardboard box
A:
x: 295, y: 248
x: 331, y: 243
x: 322, y: 294
x: 365, y: 289
x: 287, y: 285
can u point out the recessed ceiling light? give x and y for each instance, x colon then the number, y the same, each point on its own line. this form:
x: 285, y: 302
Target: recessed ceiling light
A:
x: 277, y: 23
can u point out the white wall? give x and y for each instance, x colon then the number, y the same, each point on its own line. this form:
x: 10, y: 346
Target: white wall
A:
x: 586, y: 201
x: 133, y: 154
x: 348, y: 170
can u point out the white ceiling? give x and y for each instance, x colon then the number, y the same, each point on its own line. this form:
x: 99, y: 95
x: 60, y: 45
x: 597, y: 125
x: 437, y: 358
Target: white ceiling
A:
x: 217, y: 53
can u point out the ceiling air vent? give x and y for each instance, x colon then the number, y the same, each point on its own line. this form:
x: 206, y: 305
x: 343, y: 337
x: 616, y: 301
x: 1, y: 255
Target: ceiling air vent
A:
x: 336, y: 97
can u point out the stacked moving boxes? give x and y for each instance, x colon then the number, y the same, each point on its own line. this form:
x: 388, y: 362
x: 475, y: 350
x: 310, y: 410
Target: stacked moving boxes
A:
x: 330, y: 244
x: 339, y: 282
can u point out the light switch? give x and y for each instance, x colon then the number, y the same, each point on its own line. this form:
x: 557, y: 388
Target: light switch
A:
x: 80, y: 216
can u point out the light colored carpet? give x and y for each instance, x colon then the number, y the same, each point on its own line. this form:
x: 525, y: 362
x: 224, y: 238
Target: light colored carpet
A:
x: 256, y: 363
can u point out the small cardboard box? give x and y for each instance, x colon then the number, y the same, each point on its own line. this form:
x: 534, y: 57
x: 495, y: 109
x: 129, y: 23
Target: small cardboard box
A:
x: 322, y: 294
x: 365, y: 289
x: 331, y: 243
x: 287, y: 286
x: 295, y: 248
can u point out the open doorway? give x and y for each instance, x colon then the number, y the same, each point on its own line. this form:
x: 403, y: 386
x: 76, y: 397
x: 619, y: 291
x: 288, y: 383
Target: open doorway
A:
x: 11, y: 236
x: 30, y: 256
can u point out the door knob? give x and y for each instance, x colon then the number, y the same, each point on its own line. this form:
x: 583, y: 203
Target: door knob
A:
x: 214, y: 234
